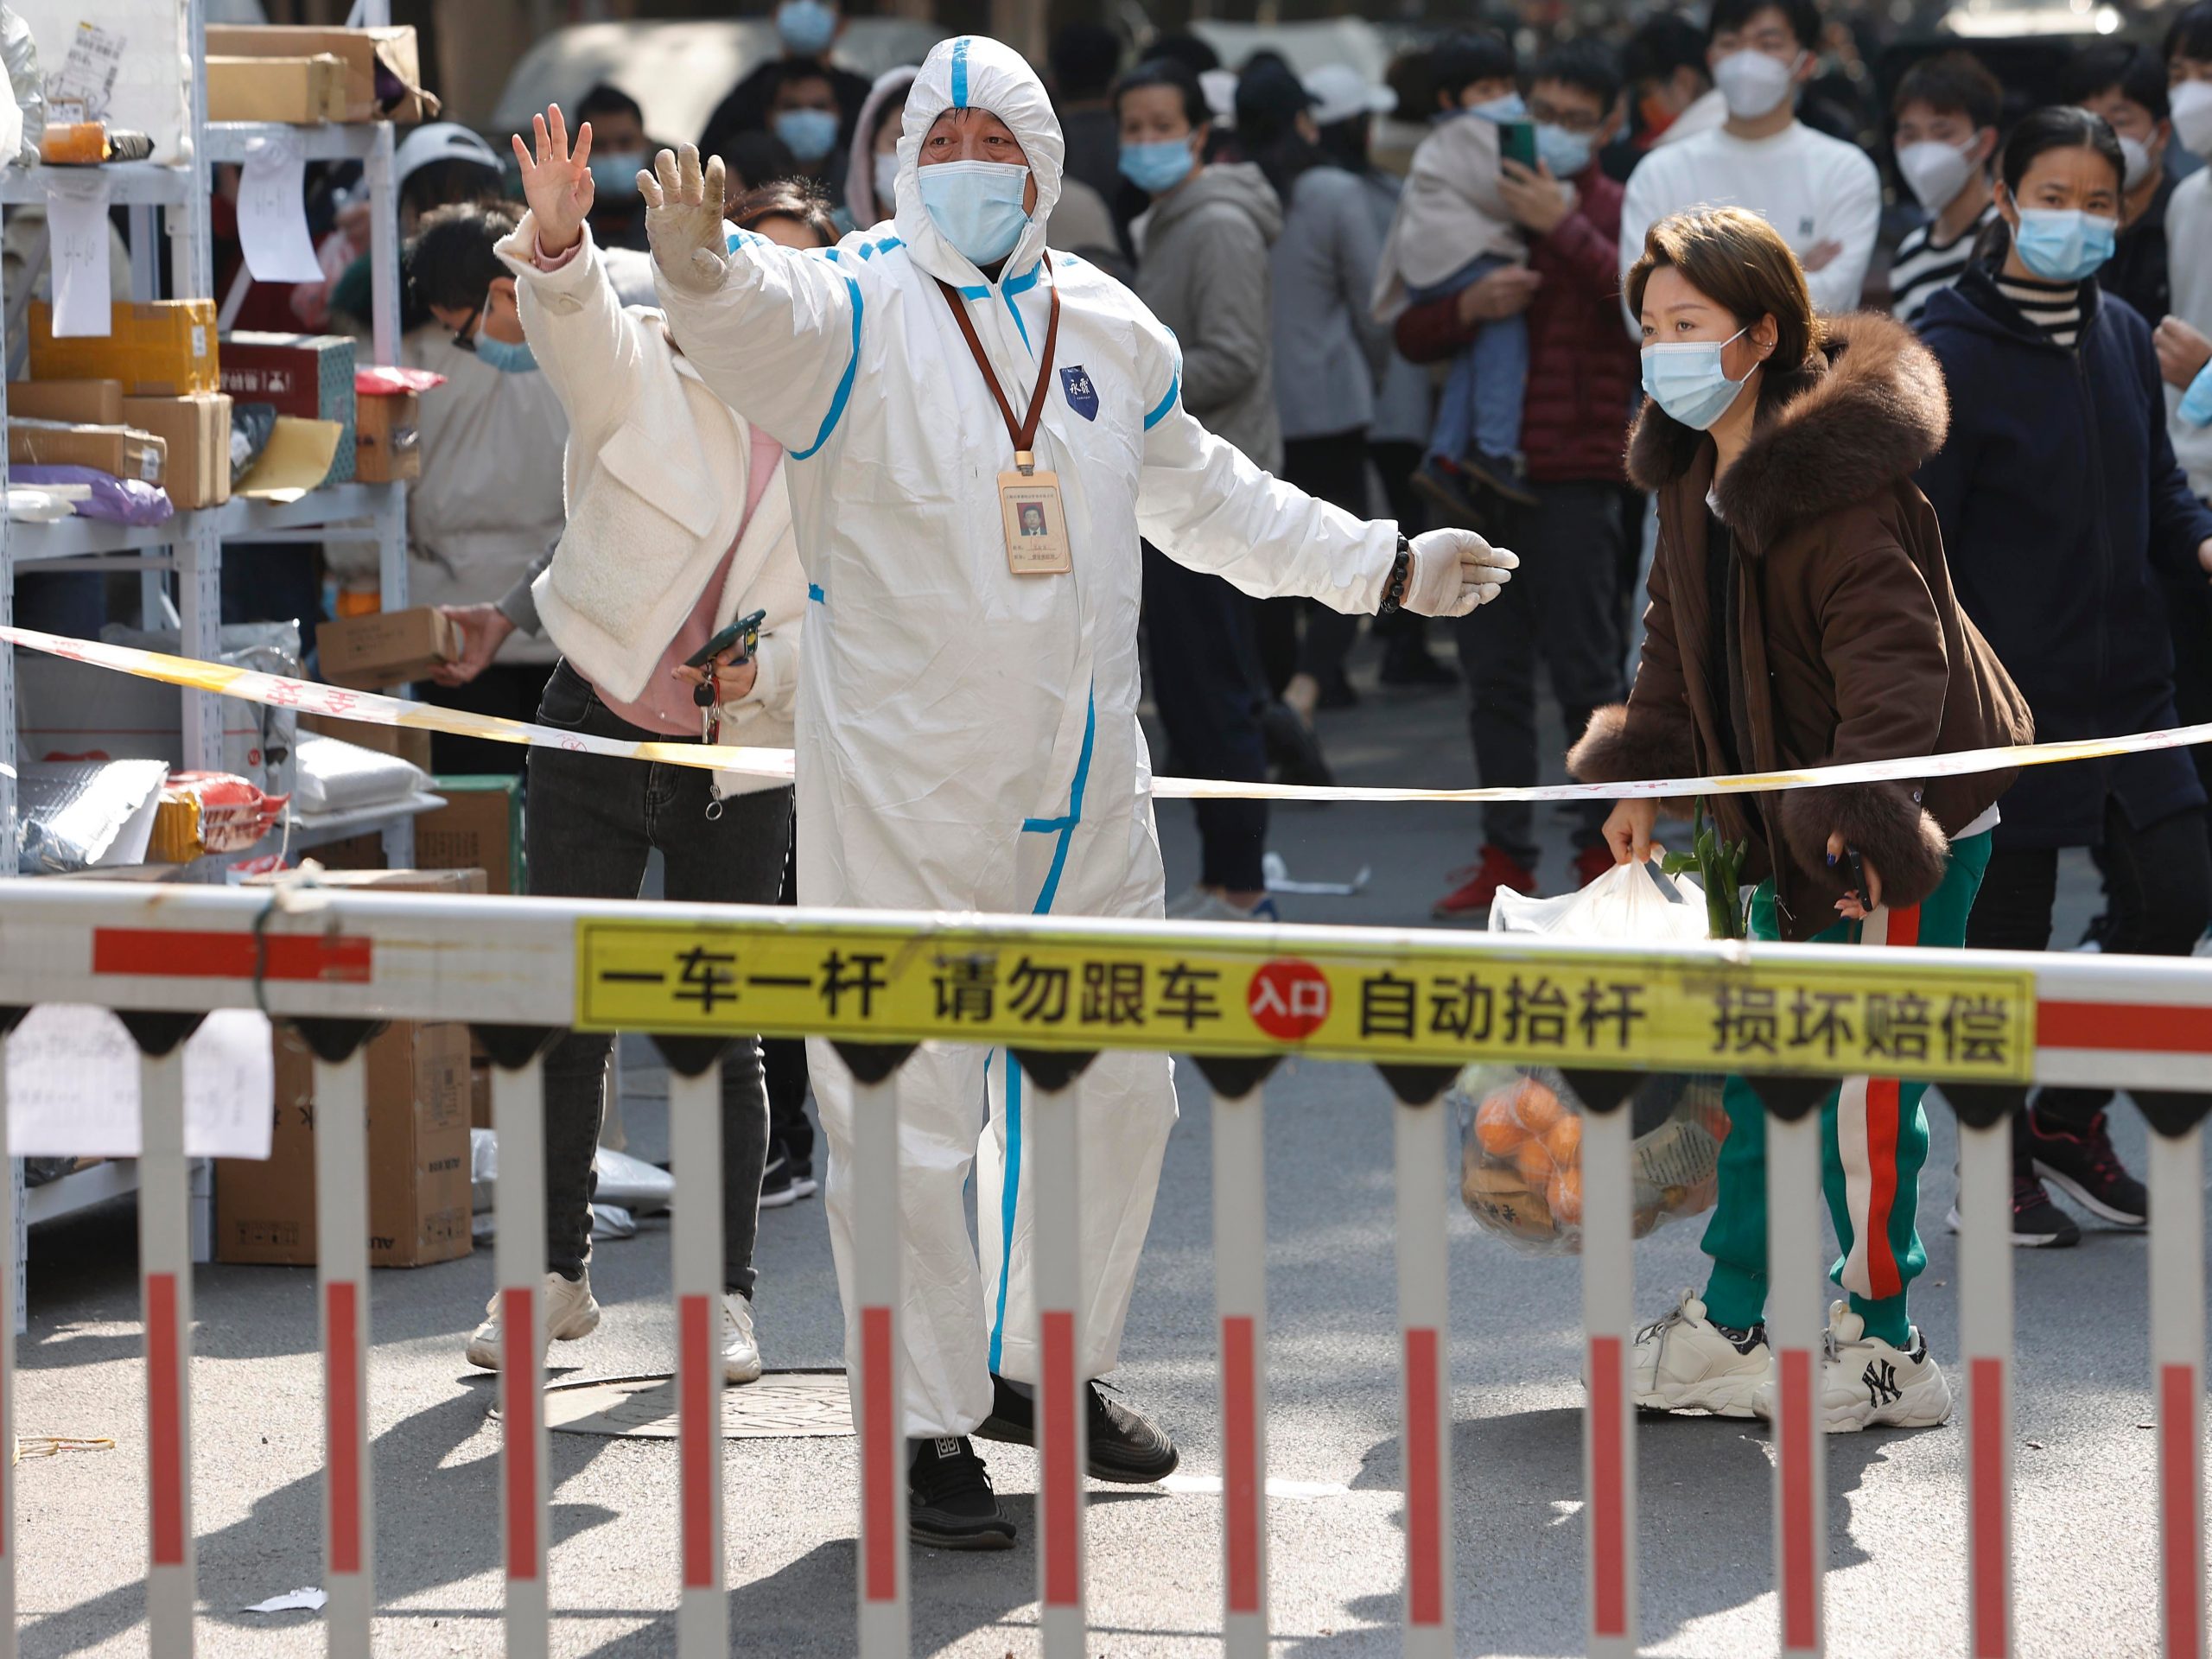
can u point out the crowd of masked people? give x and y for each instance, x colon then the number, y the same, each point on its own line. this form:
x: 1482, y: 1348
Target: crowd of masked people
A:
x: 1415, y: 299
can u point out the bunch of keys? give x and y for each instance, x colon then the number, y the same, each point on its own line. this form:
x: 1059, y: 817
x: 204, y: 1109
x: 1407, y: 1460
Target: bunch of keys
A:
x: 744, y: 634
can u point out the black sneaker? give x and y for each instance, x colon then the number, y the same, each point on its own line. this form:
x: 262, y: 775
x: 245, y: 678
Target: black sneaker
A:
x: 1124, y: 1447
x: 2038, y: 1224
x: 950, y: 1503
x: 1293, y: 748
x: 1502, y: 475
x: 2086, y: 1169
x: 777, y: 1187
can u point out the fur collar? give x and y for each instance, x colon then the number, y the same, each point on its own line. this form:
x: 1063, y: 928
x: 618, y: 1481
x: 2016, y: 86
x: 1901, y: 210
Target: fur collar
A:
x: 1828, y: 435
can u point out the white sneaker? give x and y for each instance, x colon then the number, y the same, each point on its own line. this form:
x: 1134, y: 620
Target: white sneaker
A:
x: 1203, y: 905
x: 1865, y: 1384
x: 741, y: 1353
x: 1686, y: 1362
x: 570, y: 1313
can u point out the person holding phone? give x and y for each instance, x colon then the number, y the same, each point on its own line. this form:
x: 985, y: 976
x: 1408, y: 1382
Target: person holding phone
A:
x: 1801, y: 615
x: 678, y: 550
x: 1454, y: 228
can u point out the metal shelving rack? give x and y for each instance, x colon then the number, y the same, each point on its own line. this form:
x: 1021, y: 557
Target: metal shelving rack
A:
x: 174, y: 198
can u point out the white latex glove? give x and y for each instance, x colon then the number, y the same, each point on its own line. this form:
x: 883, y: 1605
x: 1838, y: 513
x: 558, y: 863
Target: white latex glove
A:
x: 1455, y: 570
x: 684, y: 219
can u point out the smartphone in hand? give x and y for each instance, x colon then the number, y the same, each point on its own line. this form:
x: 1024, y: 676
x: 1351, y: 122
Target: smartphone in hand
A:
x: 1517, y: 142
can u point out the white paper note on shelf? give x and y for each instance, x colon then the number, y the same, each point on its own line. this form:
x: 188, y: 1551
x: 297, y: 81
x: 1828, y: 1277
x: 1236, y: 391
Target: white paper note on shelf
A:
x: 72, y: 1085
x: 273, y: 213
x: 76, y: 223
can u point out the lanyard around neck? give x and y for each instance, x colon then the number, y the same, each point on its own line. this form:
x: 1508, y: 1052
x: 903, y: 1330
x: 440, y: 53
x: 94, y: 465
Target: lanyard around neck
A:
x: 1024, y: 432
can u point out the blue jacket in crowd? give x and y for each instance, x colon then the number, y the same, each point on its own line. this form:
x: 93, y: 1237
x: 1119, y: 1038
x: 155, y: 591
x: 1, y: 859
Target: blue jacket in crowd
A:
x: 2061, y: 504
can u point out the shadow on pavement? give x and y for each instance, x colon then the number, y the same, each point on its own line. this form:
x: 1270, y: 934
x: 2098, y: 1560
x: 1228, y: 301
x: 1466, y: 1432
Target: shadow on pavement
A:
x: 1704, y: 1485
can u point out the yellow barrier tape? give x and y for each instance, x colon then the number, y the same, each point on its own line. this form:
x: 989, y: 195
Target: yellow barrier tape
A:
x: 1905, y: 1014
x: 277, y: 691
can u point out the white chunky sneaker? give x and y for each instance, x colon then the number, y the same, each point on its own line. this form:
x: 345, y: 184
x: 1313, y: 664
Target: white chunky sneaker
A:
x: 741, y: 1353
x: 1686, y: 1362
x: 570, y: 1313
x: 1865, y: 1384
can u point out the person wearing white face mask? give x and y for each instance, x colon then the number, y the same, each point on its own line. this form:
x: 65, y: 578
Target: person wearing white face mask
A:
x: 2126, y: 86
x: 1945, y: 109
x: 967, y: 734
x: 1822, y: 195
x: 1801, y: 615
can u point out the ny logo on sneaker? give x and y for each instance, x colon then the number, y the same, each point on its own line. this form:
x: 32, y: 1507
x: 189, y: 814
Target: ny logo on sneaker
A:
x: 1881, y: 1380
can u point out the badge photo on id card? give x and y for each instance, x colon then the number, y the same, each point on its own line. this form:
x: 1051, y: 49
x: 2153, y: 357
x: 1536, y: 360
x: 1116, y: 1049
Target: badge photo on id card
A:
x: 1036, y: 529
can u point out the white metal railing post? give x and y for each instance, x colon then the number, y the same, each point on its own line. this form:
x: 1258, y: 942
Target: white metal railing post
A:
x: 1796, y: 1324
x: 165, y: 1292
x: 1985, y: 1351
x: 1609, y: 1419
x: 1425, y: 1350
x: 1240, y: 1290
x: 2177, y: 1187
x: 694, y: 1147
x: 519, y: 1120
x: 12, y: 1184
x: 1055, y: 1140
x: 341, y: 1230
x: 879, y: 1384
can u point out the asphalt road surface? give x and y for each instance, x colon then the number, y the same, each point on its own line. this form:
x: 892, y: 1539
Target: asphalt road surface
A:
x: 2084, y: 1529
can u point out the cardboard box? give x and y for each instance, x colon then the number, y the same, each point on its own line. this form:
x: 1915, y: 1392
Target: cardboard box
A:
x: 384, y: 75
x: 121, y: 451
x: 387, y: 438
x: 308, y: 375
x: 354, y: 852
x: 158, y: 348
x: 301, y: 89
x: 385, y: 647
x: 479, y: 826
x: 80, y: 402
x: 420, y: 1196
x: 198, y: 433
x: 407, y: 742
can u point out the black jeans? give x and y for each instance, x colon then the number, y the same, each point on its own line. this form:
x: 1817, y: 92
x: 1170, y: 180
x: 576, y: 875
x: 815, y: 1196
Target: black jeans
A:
x: 2159, y: 882
x: 784, y: 1060
x: 1332, y: 470
x: 1562, y: 606
x: 592, y: 823
x: 1205, y: 682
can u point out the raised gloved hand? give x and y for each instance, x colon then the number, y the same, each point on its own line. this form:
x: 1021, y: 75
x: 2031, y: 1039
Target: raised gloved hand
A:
x: 1455, y: 570
x: 684, y: 219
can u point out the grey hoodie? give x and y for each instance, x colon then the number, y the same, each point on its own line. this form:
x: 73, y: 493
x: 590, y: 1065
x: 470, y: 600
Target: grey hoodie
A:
x: 1204, y: 272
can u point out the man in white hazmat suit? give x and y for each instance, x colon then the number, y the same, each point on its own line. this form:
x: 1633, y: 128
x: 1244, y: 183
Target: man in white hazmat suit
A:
x: 967, y: 735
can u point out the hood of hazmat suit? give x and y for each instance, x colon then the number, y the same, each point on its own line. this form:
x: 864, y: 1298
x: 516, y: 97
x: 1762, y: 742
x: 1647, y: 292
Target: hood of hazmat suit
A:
x: 967, y: 737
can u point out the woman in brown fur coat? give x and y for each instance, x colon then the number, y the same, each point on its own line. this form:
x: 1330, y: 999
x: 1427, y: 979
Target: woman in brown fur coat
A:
x: 1801, y: 615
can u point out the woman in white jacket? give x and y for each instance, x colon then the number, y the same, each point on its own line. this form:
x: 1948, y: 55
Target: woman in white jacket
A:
x: 678, y: 524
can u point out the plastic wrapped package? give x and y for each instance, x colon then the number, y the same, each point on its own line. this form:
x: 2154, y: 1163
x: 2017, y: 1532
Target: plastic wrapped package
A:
x: 1521, y: 1153
x: 334, y: 776
x: 84, y: 815
x: 117, y: 500
x: 203, y: 813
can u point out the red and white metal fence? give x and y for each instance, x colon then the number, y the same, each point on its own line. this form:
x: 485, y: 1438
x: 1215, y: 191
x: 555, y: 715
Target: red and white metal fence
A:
x: 1417, y: 1003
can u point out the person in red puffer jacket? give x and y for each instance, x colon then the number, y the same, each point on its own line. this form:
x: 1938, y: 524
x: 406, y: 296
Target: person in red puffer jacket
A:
x: 1569, y: 604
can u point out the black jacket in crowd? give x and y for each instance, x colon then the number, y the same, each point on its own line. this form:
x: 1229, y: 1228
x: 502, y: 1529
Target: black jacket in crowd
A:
x: 2061, y: 504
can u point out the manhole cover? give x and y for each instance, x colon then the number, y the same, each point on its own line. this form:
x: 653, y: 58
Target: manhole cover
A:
x: 782, y: 1405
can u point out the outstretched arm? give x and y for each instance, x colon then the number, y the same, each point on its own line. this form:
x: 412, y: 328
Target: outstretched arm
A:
x: 774, y: 332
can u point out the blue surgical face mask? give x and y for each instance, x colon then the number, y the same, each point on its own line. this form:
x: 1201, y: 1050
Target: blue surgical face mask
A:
x: 807, y: 27
x: 808, y: 134
x: 616, y: 175
x: 1158, y: 168
x: 505, y: 357
x: 1566, y: 153
x: 2064, y: 244
x: 1685, y: 378
x: 1508, y: 108
x: 977, y: 206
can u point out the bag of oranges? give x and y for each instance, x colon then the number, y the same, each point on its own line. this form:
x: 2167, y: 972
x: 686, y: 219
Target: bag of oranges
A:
x: 1521, y: 1155
x: 1521, y: 1161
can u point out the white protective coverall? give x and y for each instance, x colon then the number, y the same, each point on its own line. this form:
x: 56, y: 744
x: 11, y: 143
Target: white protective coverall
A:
x: 967, y: 739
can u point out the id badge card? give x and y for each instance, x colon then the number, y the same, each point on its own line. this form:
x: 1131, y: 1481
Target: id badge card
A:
x: 1036, y: 529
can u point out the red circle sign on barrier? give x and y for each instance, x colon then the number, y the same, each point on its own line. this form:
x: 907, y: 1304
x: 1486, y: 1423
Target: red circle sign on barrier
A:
x: 1288, y: 999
